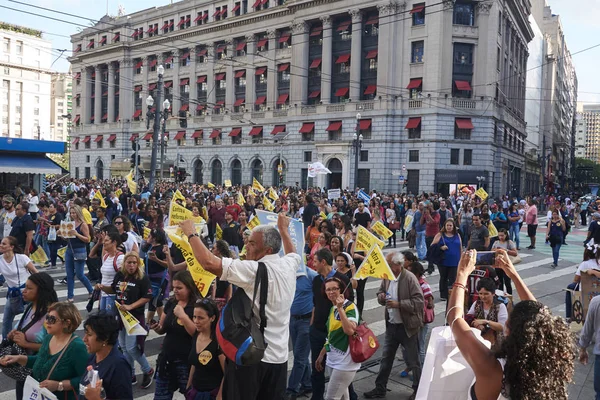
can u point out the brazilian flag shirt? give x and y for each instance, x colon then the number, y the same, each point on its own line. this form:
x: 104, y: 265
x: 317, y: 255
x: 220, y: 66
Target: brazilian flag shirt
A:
x: 338, y: 343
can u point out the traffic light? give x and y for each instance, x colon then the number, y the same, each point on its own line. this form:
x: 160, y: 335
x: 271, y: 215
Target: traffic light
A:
x: 180, y: 175
x: 132, y: 161
x: 182, y: 119
x: 135, y: 145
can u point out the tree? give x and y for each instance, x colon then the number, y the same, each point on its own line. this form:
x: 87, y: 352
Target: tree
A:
x: 60, y: 159
x: 586, y: 171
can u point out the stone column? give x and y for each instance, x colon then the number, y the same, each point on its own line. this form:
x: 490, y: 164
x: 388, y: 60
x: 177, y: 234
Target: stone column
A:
x: 176, y: 88
x: 98, y: 96
x: 250, y: 79
x: 356, y: 54
x: 230, y: 81
x: 193, y: 79
x: 385, y: 44
x: 210, y: 79
x: 326, y: 62
x: 111, y: 93
x: 126, y: 103
x: 85, y: 101
x: 272, y: 69
x: 299, y: 64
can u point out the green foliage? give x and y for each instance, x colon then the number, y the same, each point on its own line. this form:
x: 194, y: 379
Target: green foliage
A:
x: 586, y: 171
x: 20, y: 29
x: 60, y: 159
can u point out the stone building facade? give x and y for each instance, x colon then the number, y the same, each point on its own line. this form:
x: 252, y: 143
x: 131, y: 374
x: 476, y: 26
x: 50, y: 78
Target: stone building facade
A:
x: 436, y: 89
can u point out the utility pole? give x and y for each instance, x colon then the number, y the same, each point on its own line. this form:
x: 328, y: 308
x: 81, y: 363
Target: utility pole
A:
x: 156, y: 131
x: 137, y: 147
x: 543, y: 163
x: 357, y: 145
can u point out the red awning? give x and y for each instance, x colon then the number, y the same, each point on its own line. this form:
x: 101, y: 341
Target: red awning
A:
x: 283, y: 67
x: 341, y: 92
x: 133, y: 137
x: 216, y: 13
x: 152, y: 86
x: 260, y: 71
x: 262, y: 42
x: 168, y: 84
x: 215, y: 133
x: 105, y: 116
x: 90, y: 44
x: 221, y: 48
x: 103, y: 40
x: 184, y: 56
x: 278, y: 129
x: 116, y: 37
x: 219, y: 77
x: 415, y: 83
x: 343, y: 26
x: 198, y: 18
x: 201, y: 79
x: 86, y: 139
x: 284, y: 38
x: 188, y: 19
x: 77, y: 76
x: 75, y: 141
x: 371, y: 54
x: 371, y: 89
x: 112, y: 138
x: 282, y: 98
x: 315, y: 63
x: 257, y: 130
x: 77, y: 49
x: 344, y: 58
x: 165, y: 26
x: 314, y: 94
x: 184, y: 107
x: 260, y: 100
x: 137, y: 113
x: 235, y: 132
x: 148, y: 136
x: 76, y: 119
x: 463, y: 85
x: 316, y: 31
x: 417, y: 9
x: 364, y: 124
x: 307, y: 127
x: 78, y: 95
x: 139, y: 64
x: 203, y: 52
x: 153, y: 63
x: 464, y: 123
x: 184, y: 82
x: 169, y: 59
x: 135, y: 33
x: 198, y: 134
x: 219, y: 104
x: 180, y: 135
x: 239, y: 102
x: 234, y: 9
x: 205, y: 16
x: 256, y: 3
x: 334, y: 126
x: 241, y: 46
x: 372, y: 20
x: 150, y: 30
x: 200, y: 107
x: 181, y: 22
x: 92, y: 118
x: 413, y: 123
x: 138, y: 88
x: 240, y: 73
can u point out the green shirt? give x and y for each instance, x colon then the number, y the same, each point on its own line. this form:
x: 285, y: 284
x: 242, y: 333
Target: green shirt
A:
x: 71, y: 366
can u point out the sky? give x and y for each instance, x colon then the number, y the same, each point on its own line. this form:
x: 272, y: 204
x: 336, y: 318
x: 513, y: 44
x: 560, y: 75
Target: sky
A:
x: 582, y: 29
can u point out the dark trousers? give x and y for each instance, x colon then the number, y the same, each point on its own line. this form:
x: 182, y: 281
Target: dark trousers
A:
x: 54, y: 246
x: 256, y: 382
x: 395, y: 335
x: 360, y: 295
x: 447, y: 278
x: 392, y: 238
x: 428, y: 241
x: 503, y: 279
x: 583, y: 217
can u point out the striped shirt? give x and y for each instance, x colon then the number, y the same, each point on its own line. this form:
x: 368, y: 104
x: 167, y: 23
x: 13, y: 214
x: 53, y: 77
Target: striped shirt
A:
x: 425, y: 288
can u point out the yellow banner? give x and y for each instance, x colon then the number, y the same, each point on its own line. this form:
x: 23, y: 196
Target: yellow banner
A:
x: 178, y: 196
x: 323, y: 215
x: 131, y: 184
x: 61, y: 252
x: 227, y: 183
x: 273, y: 194
x: 481, y: 193
x: 408, y: 221
x: 178, y: 214
x: 131, y: 324
x: 253, y: 223
x: 202, y: 277
x: 268, y: 205
x: 365, y: 240
x: 118, y: 193
x: 492, y: 230
x: 146, y: 233
x: 375, y: 266
x: 256, y: 185
x: 219, y: 232
x: 286, y: 192
x: 210, y: 185
x: 39, y: 256
x: 98, y: 196
x: 240, y: 199
x: 382, y: 230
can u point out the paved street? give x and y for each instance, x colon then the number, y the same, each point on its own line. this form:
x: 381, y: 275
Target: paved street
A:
x: 545, y: 283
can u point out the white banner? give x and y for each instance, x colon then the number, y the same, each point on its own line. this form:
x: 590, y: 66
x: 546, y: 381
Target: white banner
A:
x: 32, y: 390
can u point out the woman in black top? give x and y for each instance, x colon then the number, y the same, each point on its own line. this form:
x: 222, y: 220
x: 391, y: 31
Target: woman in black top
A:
x: 221, y: 290
x: 53, y: 221
x: 206, y: 360
x: 156, y: 268
x: 176, y: 323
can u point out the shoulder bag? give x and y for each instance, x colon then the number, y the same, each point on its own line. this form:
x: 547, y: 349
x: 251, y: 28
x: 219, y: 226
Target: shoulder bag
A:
x: 64, y: 350
x: 363, y: 343
x: 16, y: 371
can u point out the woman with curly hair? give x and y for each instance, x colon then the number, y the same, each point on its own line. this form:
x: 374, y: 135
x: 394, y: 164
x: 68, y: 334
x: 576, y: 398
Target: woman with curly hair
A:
x: 536, y: 358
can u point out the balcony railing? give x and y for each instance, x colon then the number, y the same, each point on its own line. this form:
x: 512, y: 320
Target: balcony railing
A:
x: 415, y: 103
x: 463, y: 103
x: 336, y: 108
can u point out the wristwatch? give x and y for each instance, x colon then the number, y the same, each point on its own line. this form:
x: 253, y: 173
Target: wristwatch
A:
x: 60, y: 386
x: 192, y: 235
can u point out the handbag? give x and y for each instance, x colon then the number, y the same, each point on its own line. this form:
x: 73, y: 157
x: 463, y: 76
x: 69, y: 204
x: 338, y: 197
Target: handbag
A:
x: 515, y: 259
x: 16, y: 371
x: 428, y: 315
x: 363, y: 343
x: 395, y: 225
x: 52, y: 234
x: 435, y: 254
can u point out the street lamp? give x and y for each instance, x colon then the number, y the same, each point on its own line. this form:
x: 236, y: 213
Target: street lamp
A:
x: 164, y: 116
x: 150, y: 102
x: 356, y: 146
x: 479, y: 180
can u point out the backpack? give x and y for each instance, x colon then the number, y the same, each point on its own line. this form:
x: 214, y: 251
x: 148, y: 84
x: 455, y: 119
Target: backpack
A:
x: 240, y: 337
x: 115, y: 266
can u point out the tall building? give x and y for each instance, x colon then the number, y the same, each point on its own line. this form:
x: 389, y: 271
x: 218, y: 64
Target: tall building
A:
x: 590, y: 120
x: 581, y: 141
x: 61, y: 106
x: 435, y: 90
x: 25, y: 75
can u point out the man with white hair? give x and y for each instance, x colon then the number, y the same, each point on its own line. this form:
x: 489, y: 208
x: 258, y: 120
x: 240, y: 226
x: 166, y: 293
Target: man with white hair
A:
x: 404, y: 302
x: 266, y: 380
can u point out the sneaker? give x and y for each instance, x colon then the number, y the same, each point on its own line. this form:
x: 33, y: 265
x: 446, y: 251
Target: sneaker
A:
x: 377, y: 393
x: 133, y: 380
x: 61, y: 281
x: 552, y: 265
x: 147, y: 379
x: 404, y: 374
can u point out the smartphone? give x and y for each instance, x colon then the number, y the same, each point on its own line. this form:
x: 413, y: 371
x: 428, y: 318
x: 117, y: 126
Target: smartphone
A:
x: 485, y: 258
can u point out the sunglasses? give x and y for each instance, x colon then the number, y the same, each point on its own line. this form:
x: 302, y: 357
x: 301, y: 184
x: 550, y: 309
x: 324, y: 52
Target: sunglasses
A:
x: 51, y: 319
x: 118, y: 222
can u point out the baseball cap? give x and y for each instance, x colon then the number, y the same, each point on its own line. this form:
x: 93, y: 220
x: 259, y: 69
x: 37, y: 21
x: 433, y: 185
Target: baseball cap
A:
x: 8, y: 199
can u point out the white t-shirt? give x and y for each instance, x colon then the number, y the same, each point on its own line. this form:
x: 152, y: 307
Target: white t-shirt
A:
x: 282, y: 287
x: 394, y: 313
x: 502, y: 313
x: 13, y: 277
x: 108, y: 270
x: 587, y: 265
x: 8, y: 220
x: 130, y: 242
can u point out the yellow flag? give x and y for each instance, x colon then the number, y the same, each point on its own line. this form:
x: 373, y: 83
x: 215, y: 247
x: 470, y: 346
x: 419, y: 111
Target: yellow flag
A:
x: 492, y: 230
x: 61, y: 252
x: 382, y: 230
x: 131, y: 184
x: 268, y: 205
x: 178, y: 214
x: 256, y: 185
x: 227, y: 183
x: 39, y: 256
x: 323, y: 215
x: 210, y: 185
x: 118, y: 193
x: 272, y: 194
x: 481, y: 193
x: 178, y: 196
x: 365, y: 239
x: 98, y: 196
x: 375, y: 266
x: 240, y: 199
x: 202, y: 277
x: 251, y: 192
x: 286, y: 192
x: 219, y: 232
x: 131, y: 324
x: 146, y: 233
x: 253, y: 223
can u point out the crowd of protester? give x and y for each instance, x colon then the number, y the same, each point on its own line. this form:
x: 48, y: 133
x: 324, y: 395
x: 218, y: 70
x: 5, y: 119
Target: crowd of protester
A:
x: 120, y: 237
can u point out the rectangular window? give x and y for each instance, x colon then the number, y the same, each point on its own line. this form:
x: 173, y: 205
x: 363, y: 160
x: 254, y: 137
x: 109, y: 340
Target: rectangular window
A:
x: 308, y: 137
x: 19, y: 48
x: 308, y: 156
x: 335, y: 135
x: 418, y: 14
x: 468, y: 157
x: 462, y: 134
x: 99, y: 144
x: 417, y: 49
x: 113, y: 144
x: 6, y: 46
x: 413, y: 156
x: 364, y: 155
x: 454, y: 156
x: 464, y: 13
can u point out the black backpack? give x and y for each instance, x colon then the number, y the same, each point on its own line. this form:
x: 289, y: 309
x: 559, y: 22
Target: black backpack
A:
x: 240, y: 337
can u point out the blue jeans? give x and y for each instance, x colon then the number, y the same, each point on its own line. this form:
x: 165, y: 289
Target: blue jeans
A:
x: 132, y: 352
x: 514, y: 234
x: 13, y: 304
x: 300, y: 375
x: 75, y: 268
x: 162, y: 383
x: 421, y: 343
x: 568, y: 305
x: 421, y: 246
x: 54, y: 246
x: 555, y: 253
x: 42, y: 241
x: 597, y: 377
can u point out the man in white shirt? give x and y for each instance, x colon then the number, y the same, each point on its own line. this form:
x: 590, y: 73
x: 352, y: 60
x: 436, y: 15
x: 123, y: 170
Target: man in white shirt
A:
x: 267, y: 380
x: 8, y: 215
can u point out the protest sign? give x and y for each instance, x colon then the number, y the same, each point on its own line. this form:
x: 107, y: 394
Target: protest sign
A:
x: 130, y: 323
x: 382, y: 230
x: 202, y: 277
x: 365, y: 240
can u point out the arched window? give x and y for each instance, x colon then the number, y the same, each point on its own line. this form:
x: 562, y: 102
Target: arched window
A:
x: 198, y: 172
x: 257, y: 170
x: 334, y: 180
x: 217, y: 172
x: 236, y: 172
x: 99, y: 170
